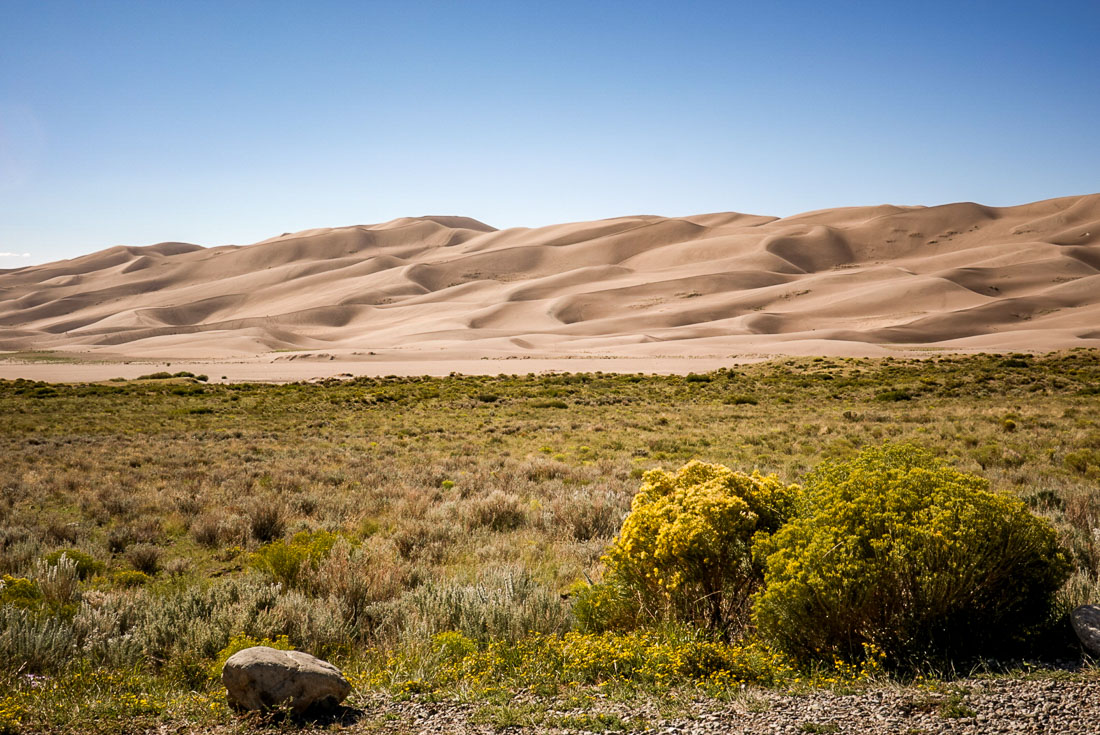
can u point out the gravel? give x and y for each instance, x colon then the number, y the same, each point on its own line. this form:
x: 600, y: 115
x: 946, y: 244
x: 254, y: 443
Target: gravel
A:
x: 977, y: 706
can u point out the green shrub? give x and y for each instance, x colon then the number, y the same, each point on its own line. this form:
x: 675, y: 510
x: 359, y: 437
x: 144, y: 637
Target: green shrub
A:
x: 86, y: 565
x: 285, y: 561
x: 684, y: 552
x: 668, y: 656
x: 893, y: 395
x: 553, y: 403
x: 1083, y: 461
x: 603, y: 607
x: 997, y: 455
x: 20, y: 592
x: 895, y: 550
x: 451, y: 645
x: 131, y: 578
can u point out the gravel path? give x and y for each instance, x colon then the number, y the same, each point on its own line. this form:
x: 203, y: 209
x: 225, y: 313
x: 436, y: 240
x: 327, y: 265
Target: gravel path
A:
x: 986, y: 706
x: 978, y: 706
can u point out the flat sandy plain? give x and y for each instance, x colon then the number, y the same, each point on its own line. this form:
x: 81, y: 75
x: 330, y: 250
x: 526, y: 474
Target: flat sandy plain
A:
x: 432, y: 295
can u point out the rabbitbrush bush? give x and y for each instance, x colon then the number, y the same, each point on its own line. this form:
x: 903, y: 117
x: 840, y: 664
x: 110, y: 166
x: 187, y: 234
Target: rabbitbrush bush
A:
x: 897, y: 551
x: 290, y: 563
x: 684, y: 552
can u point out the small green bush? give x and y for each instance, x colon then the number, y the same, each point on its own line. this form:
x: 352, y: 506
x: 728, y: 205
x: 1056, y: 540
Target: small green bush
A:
x: 20, y: 592
x: 603, y: 607
x: 285, y: 562
x: 553, y: 403
x: 1083, y: 461
x: 684, y: 552
x: 893, y: 395
x: 997, y: 455
x: 86, y: 565
x: 451, y: 645
x: 131, y: 578
x: 899, y: 552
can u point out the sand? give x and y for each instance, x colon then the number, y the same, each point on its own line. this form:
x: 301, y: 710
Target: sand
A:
x: 431, y: 295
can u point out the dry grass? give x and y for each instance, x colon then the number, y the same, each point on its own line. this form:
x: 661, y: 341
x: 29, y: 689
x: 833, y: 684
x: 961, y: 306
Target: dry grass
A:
x: 457, y: 512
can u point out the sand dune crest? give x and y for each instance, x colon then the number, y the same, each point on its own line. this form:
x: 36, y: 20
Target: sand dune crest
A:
x: 956, y: 276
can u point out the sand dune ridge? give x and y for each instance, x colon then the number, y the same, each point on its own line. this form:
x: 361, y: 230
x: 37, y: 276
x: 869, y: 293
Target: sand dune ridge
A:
x: 956, y: 276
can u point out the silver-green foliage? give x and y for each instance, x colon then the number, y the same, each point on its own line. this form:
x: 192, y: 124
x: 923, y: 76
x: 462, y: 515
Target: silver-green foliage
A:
x: 505, y: 604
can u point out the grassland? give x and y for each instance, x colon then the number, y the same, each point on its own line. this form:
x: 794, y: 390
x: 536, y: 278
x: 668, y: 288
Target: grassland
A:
x: 425, y: 532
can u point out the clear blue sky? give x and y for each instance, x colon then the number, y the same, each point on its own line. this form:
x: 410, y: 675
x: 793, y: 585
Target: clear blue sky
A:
x: 229, y: 121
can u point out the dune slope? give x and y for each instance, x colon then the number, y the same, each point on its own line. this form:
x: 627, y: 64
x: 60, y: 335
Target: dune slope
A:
x: 958, y: 276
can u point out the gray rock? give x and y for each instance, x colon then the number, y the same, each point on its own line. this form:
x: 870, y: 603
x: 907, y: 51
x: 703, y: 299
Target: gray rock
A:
x: 261, y: 677
x: 1086, y: 623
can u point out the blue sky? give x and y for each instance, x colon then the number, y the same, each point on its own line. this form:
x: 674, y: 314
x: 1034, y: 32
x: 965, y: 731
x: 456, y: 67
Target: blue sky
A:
x: 231, y: 121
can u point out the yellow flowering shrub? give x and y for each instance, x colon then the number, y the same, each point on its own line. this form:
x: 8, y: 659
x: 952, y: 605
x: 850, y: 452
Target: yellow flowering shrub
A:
x: 452, y: 645
x: 289, y: 562
x: 657, y: 659
x: 684, y: 551
x: 642, y: 657
x: 20, y: 592
x: 898, y: 551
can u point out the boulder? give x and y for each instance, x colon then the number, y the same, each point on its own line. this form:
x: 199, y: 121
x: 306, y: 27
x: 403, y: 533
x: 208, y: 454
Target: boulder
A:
x: 1086, y: 624
x: 261, y: 677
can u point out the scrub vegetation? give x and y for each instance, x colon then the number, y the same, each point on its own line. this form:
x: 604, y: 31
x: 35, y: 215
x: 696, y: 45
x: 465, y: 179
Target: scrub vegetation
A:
x: 464, y: 537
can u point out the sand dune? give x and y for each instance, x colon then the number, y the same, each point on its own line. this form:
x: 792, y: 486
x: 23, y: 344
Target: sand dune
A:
x: 841, y: 281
